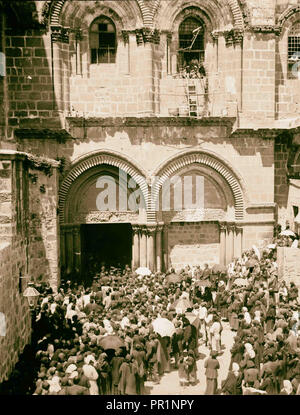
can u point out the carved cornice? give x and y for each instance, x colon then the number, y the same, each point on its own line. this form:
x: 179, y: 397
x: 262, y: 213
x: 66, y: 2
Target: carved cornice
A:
x: 149, y: 121
x: 266, y: 29
x: 147, y: 35
x: 232, y: 36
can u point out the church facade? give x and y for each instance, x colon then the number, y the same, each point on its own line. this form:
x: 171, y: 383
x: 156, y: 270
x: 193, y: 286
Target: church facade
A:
x: 146, y: 132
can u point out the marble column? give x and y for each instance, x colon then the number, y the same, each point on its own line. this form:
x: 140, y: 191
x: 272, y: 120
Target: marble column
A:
x: 229, y: 242
x: 158, y: 247
x: 223, y: 229
x: 165, y: 248
x: 143, y: 247
x: 135, y: 246
x: 151, y: 230
x: 69, y: 249
x: 77, y: 249
x: 238, y: 249
x: 62, y: 249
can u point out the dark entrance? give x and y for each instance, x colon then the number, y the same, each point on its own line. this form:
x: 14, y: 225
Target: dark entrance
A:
x: 105, y: 244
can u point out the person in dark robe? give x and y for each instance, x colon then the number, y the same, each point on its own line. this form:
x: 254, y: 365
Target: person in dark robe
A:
x: 211, y: 365
x: 140, y: 358
x: 233, y: 383
x: 128, y: 372
x: 270, y: 318
x: 163, y: 358
x: 251, y: 375
x: 116, y: 362
x: 151, y: 358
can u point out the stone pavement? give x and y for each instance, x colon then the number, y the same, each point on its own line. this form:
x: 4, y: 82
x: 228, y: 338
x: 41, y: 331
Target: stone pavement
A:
x: 169, y: 384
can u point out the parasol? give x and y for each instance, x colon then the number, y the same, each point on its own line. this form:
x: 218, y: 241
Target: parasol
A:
x: 256, y: 250
x: 181, y: 305
x: 173, y: 278
x: 287, y: 232
x: 111, y: 342
x: 163, y: 327
x: 240, y: 282
x: 219, y: 269
x: 143, y: 271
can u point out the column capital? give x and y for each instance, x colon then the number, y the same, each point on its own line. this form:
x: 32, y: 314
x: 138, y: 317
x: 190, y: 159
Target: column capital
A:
x: 151, y: 229
x: 231, y: 226
x: 136, y: 228
x: 223, y: 226
x: 76, y: 228
x: 160, y: 227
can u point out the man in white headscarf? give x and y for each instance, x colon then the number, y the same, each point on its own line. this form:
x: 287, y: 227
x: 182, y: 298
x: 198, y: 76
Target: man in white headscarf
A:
x: 91, y: 373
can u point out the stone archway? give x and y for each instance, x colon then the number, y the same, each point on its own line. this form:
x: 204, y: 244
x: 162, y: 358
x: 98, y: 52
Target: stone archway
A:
x: 227, y: 227
x: 81, y: 217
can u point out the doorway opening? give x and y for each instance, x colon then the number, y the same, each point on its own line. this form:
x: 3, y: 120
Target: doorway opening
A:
x: 105, y: 244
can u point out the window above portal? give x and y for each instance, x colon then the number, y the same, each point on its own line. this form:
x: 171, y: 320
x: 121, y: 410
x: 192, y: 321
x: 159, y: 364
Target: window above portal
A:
x: 191, y: 42
x: 294, y: 52
x: 103, y: 44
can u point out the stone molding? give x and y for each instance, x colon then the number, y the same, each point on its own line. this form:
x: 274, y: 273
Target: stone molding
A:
x: 287, y: 14
x: 103, y: 217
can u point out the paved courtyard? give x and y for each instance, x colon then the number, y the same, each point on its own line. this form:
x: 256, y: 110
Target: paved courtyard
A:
x: 169, y: 384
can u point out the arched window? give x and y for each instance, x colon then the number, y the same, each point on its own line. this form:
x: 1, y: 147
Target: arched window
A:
x: 103, y: 43
x: 191, y: 42
x: 294, y: 51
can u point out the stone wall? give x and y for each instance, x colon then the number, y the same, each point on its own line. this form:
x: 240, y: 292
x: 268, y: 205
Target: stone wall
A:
x: 288, y: 260
x: 281, y: 186
x: 12, y: 262
x: 43, y: 228
x: 32, y: 103
x: 193, y: 244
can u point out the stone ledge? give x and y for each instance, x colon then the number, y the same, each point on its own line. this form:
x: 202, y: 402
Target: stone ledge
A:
x: 36, y: 133
x: 148, y: 121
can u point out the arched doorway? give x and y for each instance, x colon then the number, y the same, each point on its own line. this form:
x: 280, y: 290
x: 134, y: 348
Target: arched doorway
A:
x: 100, y: 198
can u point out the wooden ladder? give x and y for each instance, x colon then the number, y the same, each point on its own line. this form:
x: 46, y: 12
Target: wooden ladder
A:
x: 192, y: 98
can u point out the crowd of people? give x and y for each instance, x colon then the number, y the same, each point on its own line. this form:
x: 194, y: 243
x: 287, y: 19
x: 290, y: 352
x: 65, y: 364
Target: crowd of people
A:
x: 128, y: 328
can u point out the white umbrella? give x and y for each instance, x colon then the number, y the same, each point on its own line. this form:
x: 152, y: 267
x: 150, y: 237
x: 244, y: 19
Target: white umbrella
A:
x: 240, y: 282
x: 287, y: 232
x: 163, y: 327
x: 143, y: 271
x: 256, y: 250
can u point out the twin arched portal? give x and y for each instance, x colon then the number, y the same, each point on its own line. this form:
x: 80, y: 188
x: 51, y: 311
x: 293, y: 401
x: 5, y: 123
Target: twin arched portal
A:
x: 107, y: 182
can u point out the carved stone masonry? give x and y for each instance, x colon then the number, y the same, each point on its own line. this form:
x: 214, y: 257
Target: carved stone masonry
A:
x: 151, y: 230
x: 125, y: 34
x: 233, y: 36
x: 223, y: 226
x: 60, y: 34
x: 147, y: 35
